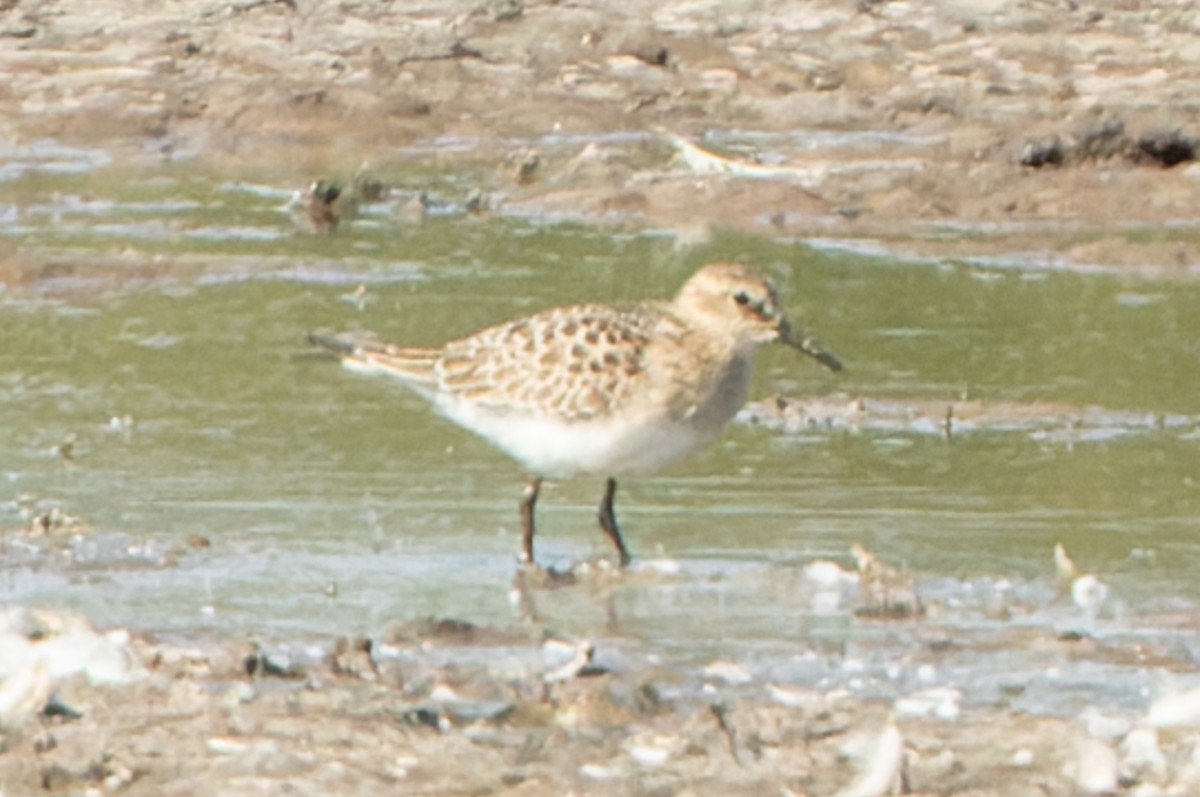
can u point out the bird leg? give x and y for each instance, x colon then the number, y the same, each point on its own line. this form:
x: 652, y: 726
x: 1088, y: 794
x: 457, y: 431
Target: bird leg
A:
x: 528, y: 501
x: 608, y: 522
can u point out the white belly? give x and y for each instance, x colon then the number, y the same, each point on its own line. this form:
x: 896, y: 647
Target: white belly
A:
x: 610, y: 447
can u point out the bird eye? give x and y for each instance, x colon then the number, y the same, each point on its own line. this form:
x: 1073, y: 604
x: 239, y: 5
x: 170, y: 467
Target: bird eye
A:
x: 742, y: 298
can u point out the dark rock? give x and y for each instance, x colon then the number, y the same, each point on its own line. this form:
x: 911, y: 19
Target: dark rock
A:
x: 1043, y: 152
x: 260, y: 664
x: 1168, y: 149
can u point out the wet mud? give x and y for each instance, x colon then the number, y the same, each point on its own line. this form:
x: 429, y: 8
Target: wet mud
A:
x: 1027, y: 129
x: 442, y: 706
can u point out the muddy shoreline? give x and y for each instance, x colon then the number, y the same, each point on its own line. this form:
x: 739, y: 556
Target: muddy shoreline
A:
x: 954, y: 131
x: 441, y: 706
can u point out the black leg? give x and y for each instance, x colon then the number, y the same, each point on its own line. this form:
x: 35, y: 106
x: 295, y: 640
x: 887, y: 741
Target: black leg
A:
x: 608, y: 521
x: 528, y: 501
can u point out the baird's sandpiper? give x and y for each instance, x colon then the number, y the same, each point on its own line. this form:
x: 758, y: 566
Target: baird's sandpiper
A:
x: 601, y: 390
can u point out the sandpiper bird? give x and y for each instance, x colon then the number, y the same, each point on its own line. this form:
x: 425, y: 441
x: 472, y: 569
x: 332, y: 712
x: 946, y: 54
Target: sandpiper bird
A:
x: 597, y: 389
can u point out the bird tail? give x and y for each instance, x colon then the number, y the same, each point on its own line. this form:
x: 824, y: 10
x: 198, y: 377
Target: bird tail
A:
x: 363, y: 353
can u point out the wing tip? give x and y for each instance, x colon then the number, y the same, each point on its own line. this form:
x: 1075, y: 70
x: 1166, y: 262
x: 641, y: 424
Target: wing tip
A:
x: 363, y: 353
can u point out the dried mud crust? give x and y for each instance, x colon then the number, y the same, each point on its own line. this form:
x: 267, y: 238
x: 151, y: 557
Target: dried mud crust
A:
x: 987, y: 114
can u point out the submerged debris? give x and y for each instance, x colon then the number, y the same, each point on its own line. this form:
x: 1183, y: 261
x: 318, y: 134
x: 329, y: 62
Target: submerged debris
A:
x: 261, y: 664
x: 703, y: 161
x: 429, y: 633
x: 67, y: 448
x: 522, y: 165
x: 885, y: 591
x: 54, y: 521
x: 322, y: 206
x: 326, y: 204
x: 353, y: 658
x: 1042, y: 422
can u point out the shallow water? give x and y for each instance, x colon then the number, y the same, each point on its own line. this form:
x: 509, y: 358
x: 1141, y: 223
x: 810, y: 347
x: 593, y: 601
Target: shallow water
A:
x: 335, y: 503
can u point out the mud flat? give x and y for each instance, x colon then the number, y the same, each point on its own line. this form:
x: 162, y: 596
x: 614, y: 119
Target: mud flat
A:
x: 447, y: 707
x: 1044, y: 133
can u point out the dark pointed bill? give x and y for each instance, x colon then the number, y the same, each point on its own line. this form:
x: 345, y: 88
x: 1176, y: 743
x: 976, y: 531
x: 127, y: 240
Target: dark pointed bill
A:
x: 809, y: 346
